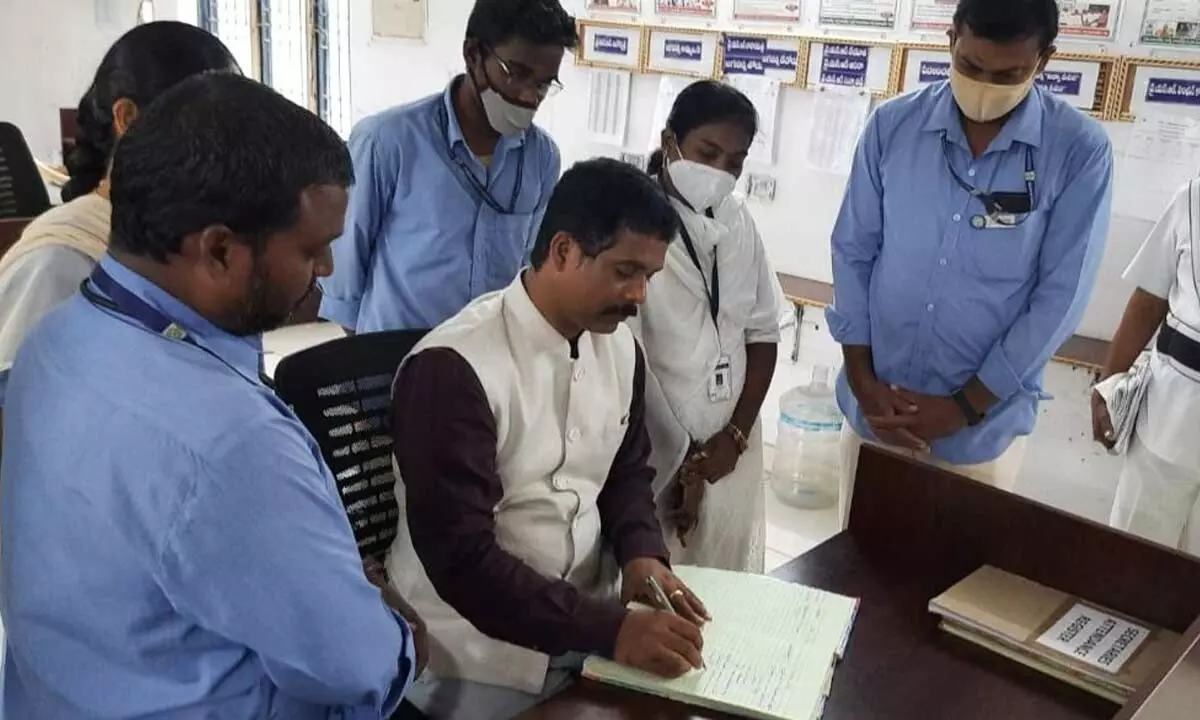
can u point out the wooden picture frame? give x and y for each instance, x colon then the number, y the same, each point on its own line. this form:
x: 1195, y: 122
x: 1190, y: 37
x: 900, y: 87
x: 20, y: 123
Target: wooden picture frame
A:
x: 611, y: 45
x: 769, y: 60
x: 915, y: 65
x: 675, y: 57
x: 1134, y: 81
x: 876, y: 50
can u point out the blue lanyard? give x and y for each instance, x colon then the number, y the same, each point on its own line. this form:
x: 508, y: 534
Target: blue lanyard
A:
x: 119, y: 299
x: 466, y: 173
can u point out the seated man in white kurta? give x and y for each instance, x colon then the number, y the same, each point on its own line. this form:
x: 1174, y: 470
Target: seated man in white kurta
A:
x: 522, y: 450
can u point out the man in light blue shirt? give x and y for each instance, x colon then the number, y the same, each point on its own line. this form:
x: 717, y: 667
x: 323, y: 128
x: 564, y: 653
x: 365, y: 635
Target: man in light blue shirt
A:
x: 174, y: 546
x: 966, y: 249
x: 450, y: 189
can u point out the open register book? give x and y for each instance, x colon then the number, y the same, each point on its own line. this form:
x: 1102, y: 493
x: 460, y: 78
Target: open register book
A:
x: 1097, y: 650
x: 769, y: 651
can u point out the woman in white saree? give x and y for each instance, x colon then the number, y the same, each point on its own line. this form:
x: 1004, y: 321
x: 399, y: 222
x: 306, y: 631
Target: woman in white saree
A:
x: 710, y: 329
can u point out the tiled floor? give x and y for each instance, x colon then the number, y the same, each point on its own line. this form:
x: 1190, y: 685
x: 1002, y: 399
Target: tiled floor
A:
x: 792, y: 532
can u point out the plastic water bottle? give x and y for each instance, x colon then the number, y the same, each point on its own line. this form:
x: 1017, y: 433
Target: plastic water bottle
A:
x: 807, y: 466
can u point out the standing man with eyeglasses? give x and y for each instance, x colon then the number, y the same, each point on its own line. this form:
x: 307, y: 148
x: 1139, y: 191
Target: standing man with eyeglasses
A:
x: 966, y: 250
x: 449, y: 189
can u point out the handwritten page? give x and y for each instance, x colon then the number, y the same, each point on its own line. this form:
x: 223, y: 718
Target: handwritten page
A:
x: 769, y: 650
x: 838, y: 120
x: 764, y: 93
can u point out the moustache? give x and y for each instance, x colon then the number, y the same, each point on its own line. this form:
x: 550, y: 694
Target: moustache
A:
x: 621, y: 311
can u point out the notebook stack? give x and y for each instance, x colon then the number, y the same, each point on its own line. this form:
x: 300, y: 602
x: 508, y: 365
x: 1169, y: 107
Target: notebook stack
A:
x: 1098, y: 650
x: 769, y: 652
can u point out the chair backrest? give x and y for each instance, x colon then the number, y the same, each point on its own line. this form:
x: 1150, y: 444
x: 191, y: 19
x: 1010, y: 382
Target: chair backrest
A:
x: 341, y: 390
x: 22, y: 192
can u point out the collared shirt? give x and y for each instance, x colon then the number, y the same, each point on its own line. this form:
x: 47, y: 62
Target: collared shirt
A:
x: 174, y: 546
x: 419, y: 242
x: 1165, y: 267
x: 939, y: 301
x: 30, y: 288
x: 44, y: 268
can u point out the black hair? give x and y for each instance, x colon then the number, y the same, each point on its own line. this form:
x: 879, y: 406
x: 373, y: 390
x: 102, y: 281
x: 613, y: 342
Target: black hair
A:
x: 1005, y: 21
x: 218, y: 149
x: 139, y: 66
x: 597, y: 199
x: 537, y: 22
x: 706, y: 102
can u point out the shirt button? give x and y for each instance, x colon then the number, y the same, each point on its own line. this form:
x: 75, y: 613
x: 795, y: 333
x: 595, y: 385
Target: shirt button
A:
x: 560, y: 484
x: 942, y: 262
x: 573, y: 434
x: 971, y: 172
x: 957, y: 217
x: 578, y: 374
x: 929, y: 307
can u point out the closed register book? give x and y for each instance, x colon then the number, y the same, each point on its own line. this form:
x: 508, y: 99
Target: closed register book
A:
x: 1093, y: 648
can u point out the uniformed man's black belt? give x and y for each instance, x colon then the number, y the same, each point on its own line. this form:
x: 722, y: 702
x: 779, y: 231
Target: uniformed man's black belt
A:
x: 1179, y: 347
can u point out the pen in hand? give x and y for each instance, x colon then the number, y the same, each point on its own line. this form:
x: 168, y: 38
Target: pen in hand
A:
x: 664, y: 602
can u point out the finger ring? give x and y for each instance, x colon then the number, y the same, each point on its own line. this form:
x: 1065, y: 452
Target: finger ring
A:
x: 677, y: 592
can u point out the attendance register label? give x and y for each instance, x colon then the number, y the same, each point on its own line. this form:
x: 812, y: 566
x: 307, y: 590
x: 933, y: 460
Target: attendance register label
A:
x: 1095, y: 637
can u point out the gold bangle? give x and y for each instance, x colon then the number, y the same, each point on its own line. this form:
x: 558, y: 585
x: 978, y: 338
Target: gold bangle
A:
x: 739, y: 438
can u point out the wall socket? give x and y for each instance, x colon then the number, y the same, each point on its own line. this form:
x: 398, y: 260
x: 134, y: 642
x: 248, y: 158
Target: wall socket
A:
x: 635, y: 159
x: 760, y: 187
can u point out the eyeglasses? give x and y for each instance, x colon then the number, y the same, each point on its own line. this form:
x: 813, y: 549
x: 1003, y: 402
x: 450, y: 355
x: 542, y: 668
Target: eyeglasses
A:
x: 518, y: 77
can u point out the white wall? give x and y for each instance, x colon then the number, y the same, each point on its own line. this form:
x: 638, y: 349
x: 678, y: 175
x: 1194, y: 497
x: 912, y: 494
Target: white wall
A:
x: 796, y: 226
x: 64, y: 39
x: 49, y: 50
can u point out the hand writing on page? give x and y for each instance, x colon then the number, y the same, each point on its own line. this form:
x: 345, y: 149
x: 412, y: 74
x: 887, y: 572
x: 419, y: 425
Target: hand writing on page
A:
x: 660, y: 643
x: 635, y: 585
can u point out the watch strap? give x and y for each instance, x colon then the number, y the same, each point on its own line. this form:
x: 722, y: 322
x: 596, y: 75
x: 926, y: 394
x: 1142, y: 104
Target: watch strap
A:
x: 973, y: 416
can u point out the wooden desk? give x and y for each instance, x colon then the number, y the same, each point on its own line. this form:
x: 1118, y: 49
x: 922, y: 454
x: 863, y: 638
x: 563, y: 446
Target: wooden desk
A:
x: 914, y: 531
x: 1082, y: 352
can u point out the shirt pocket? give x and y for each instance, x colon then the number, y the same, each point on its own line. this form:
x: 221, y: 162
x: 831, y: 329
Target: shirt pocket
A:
x: 1005, y: 253
x: 505, y: 239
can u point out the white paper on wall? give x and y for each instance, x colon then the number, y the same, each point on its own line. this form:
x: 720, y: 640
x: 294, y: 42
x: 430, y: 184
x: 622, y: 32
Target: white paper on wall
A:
x: 839, y: 116
x: 1162, y: 155
x: 668, y: 89
x: 608, y: 106
x: 398, y: 18
x: 764, y: 93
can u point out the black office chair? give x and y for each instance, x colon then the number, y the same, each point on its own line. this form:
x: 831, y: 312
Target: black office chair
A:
x: 341, y: 391
x: 22, y: 192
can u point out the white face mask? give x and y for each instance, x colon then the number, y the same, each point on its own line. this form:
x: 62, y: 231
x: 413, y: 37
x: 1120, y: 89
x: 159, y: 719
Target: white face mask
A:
x: 505, y: 117
x: 985, y: 102
x: 701, y: 186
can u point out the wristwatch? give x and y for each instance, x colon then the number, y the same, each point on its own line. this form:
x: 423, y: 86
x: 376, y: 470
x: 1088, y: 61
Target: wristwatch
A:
x: 973, y: 416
